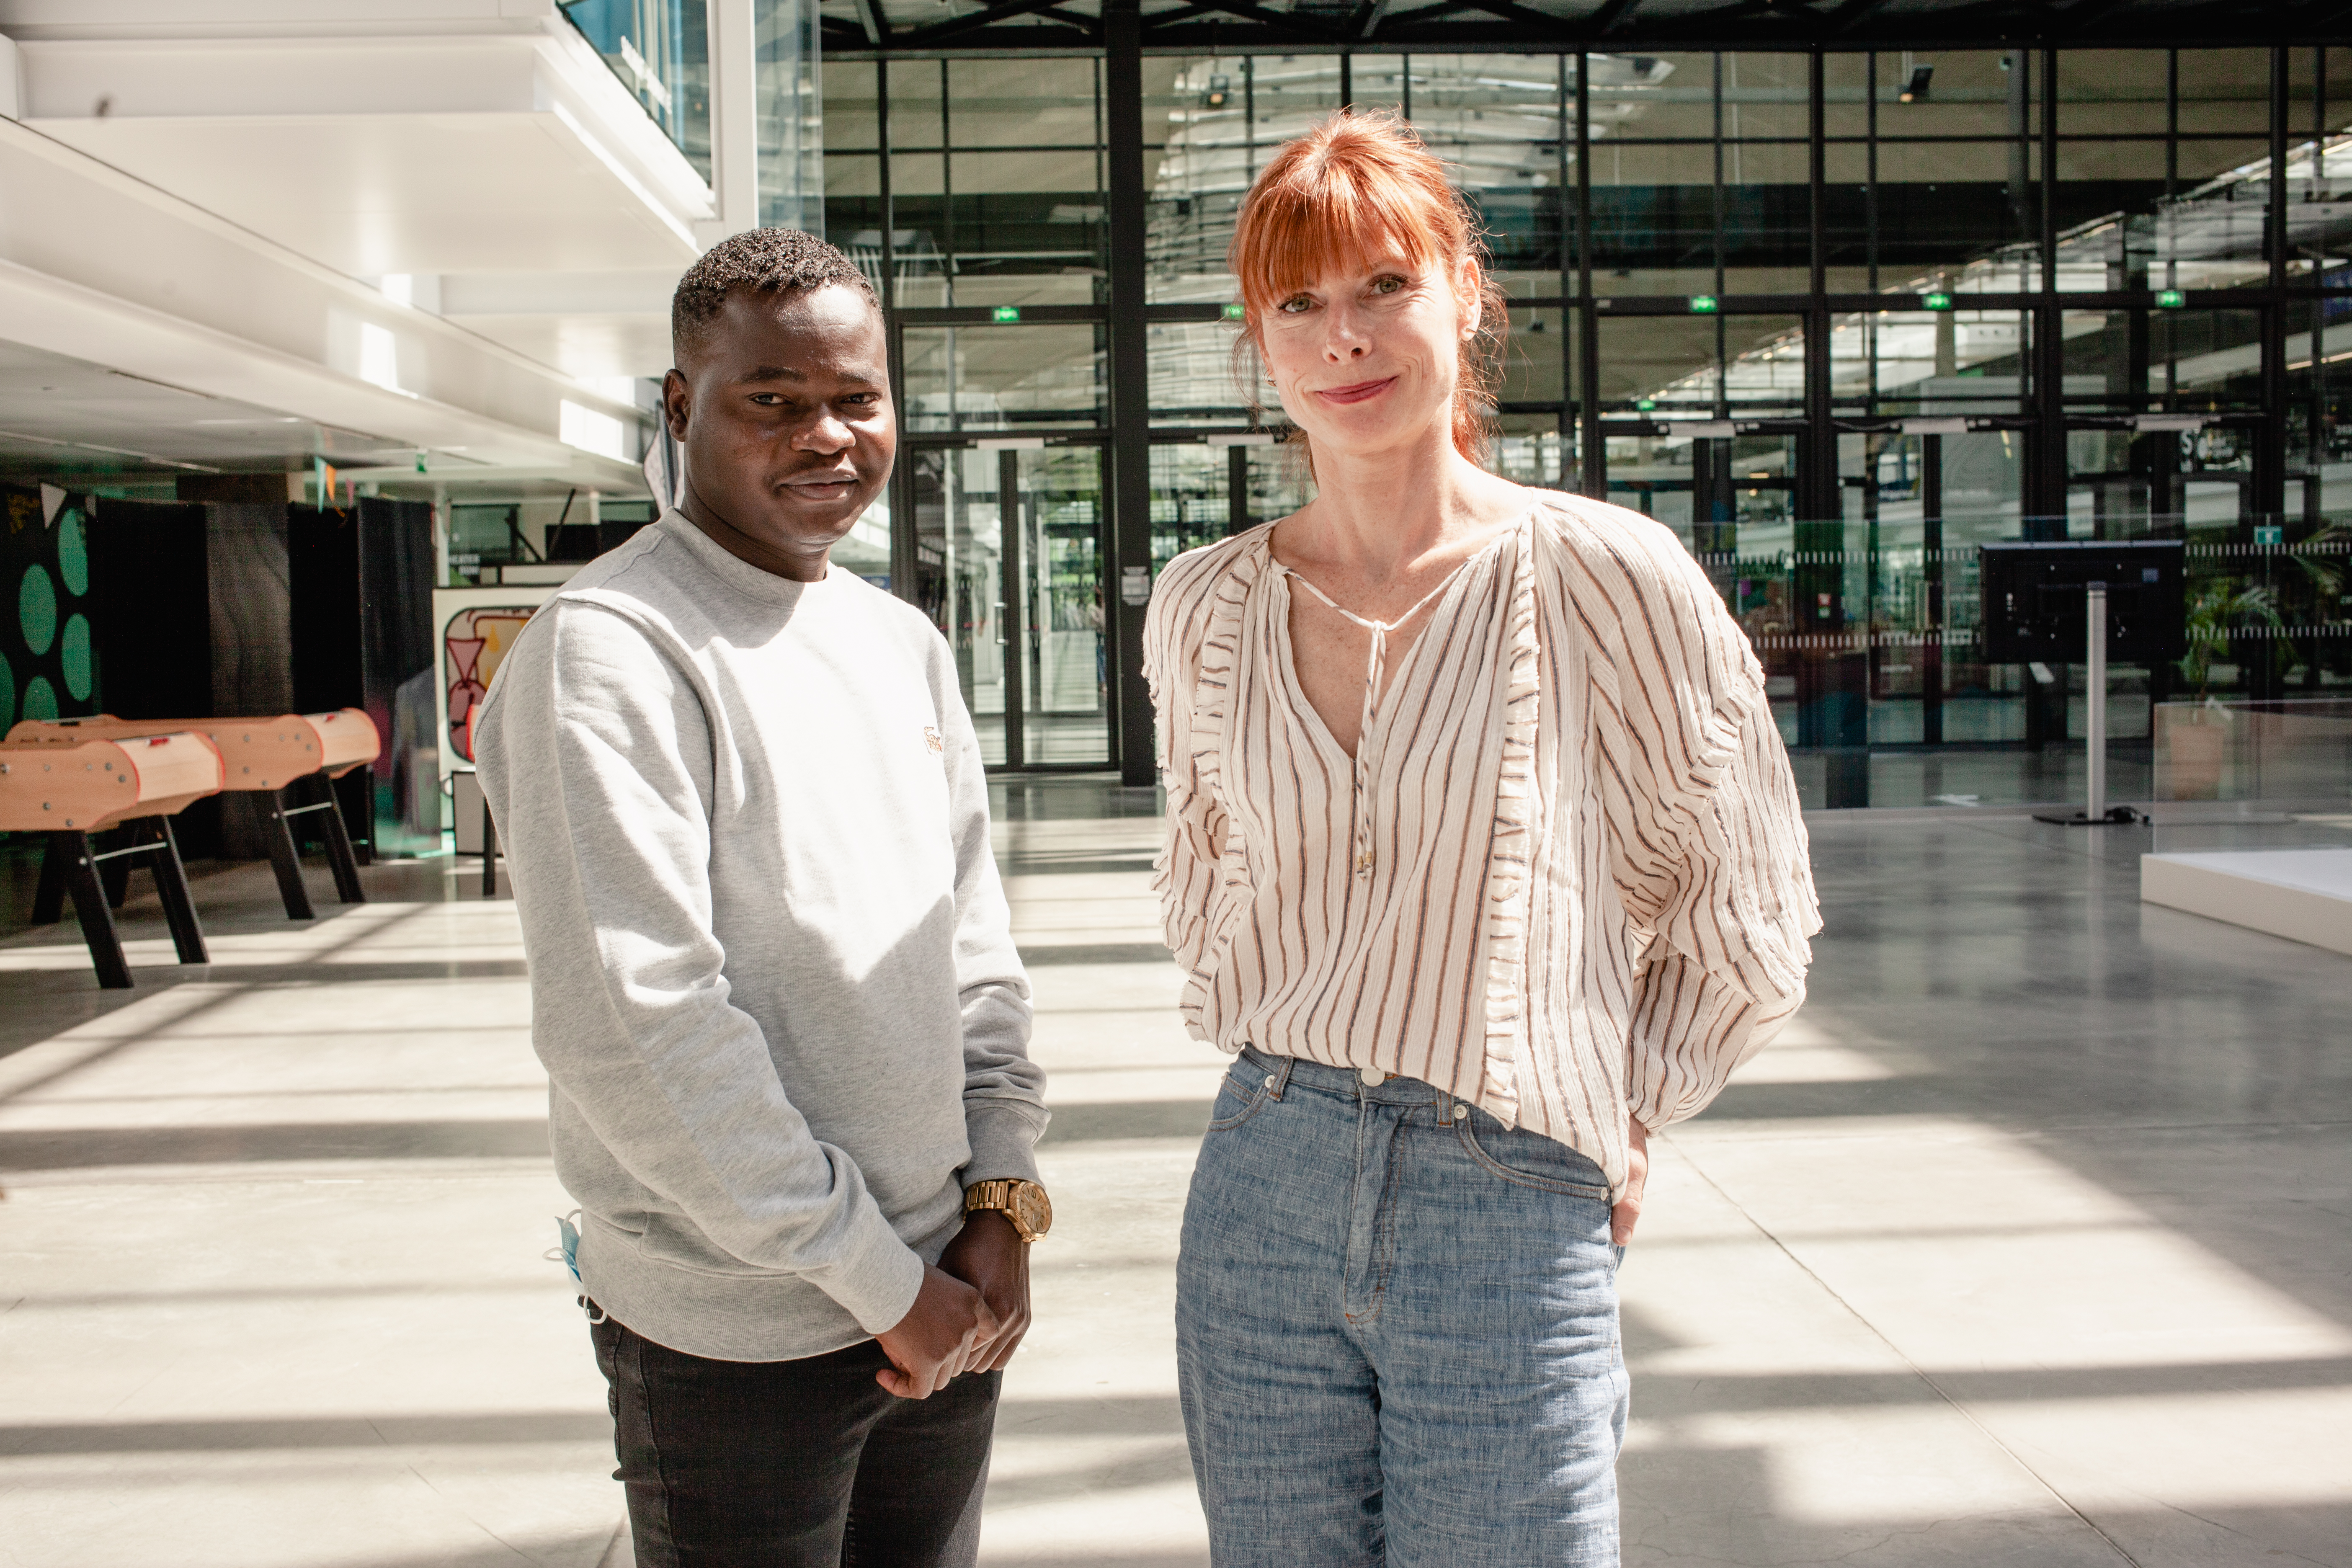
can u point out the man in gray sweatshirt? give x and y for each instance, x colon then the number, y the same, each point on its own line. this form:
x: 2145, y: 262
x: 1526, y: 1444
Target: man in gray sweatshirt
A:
x: 772, y: 973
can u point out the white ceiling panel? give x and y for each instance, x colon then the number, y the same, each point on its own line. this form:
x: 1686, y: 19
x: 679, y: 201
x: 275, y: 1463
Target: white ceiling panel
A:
x: 585, y: 345
x: 372, y: 195
x: 67, y: 416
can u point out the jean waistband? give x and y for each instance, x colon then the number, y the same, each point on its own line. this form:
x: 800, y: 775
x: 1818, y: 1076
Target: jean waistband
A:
x: 1292, y: 1071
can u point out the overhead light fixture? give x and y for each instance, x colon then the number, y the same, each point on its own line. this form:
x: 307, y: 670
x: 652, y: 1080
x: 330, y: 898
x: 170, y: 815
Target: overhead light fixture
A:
x: 592, y: 430
x: 1220, y: 91
x: 1916, y: 90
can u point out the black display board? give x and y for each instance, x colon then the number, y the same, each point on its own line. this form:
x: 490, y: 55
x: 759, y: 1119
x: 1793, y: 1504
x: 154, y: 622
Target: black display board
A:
x: 2034, y: 595
x: 192, y: 615
x: 363, y: 632
x: 149, y: 576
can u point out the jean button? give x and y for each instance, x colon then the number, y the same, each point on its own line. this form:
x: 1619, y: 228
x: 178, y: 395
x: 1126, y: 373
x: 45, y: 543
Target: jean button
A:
x: 1373, y: 1076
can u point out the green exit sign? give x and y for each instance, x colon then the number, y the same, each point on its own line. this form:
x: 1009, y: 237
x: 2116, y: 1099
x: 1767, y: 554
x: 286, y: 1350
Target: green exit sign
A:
x: 2170, y: 299
x: 1705, y: 304
x: 1007, y: 313
x: 1937, y: 301
x: 1645, y: 404
x: 1233, y: 312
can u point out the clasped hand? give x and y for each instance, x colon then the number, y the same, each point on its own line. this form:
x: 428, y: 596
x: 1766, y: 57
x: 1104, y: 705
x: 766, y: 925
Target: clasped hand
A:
x: 970, y: 1315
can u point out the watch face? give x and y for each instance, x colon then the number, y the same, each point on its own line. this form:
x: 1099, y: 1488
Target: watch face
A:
x: 1036, y: 1214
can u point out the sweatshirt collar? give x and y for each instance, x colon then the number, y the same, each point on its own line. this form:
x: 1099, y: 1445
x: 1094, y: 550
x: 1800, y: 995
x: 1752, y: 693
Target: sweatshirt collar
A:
x: 732, y: 570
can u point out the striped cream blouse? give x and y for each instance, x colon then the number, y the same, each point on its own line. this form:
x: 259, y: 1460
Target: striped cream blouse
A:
x: 1566, y: 875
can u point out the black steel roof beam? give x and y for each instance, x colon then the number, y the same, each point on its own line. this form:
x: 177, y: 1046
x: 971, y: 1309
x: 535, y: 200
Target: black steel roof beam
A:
x: 998, y: 11
x: 1852, y: 15
x: 2077, y: 18
x: 1420, y: 13
x: 1243, y: 10
x: 1612, y: 13
x: 2227, y: 10
x: 1736, y: 24
x: 1510, y: 12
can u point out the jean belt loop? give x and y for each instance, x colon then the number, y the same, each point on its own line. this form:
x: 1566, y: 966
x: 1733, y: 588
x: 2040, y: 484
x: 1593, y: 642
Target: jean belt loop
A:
x: 1280, y: 1080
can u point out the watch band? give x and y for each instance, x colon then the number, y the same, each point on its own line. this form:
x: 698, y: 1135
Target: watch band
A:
x: 1003, y: 1195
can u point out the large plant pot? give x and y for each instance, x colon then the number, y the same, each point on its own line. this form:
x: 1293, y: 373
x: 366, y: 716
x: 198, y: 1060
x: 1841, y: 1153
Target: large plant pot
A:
x: 2194, y: 750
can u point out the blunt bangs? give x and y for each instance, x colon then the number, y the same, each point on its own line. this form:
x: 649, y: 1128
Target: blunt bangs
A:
x: 1330, y: 212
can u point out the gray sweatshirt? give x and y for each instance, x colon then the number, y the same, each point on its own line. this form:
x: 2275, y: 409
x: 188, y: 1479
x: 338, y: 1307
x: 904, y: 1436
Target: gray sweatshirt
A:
x: 772, y: 968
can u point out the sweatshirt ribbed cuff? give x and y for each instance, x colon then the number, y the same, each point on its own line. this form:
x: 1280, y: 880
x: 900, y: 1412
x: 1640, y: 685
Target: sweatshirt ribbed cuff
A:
x: 1004, y: 1136
x: 879, y: 1281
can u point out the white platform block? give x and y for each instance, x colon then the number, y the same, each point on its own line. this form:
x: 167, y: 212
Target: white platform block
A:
x: 2304, y: 895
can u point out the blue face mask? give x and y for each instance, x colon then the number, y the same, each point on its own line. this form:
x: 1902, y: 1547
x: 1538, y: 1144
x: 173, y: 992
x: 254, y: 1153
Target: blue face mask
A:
x: 567, y: 1252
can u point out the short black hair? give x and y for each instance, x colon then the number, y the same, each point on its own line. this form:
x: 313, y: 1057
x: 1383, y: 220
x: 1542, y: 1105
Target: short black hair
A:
x: 771, y: 260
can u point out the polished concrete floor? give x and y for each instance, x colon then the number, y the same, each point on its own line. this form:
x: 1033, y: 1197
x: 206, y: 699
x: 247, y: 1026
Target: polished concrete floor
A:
x: 2030, y: 1243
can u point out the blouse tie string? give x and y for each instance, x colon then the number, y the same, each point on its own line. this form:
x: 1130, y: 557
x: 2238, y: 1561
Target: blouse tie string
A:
x: 1375, y: 668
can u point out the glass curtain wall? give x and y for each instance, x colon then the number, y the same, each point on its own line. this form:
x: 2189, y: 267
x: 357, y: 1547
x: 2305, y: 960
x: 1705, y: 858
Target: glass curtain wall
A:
x: 791, y: 158
x: 1836, y: 320
x: 661, y: 51
x: 971, y: 192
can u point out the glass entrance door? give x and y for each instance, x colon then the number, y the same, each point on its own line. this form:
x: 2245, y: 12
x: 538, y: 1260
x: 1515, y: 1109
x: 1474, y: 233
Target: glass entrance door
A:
x: 1011, y: 554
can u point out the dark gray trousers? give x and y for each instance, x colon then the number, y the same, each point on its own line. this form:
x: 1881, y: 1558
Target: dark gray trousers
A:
x: 794, y: 1464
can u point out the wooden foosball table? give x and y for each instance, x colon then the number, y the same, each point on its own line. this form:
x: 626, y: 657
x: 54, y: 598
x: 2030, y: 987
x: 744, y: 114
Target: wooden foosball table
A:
x: 272, y: 759
x: 69, y: 790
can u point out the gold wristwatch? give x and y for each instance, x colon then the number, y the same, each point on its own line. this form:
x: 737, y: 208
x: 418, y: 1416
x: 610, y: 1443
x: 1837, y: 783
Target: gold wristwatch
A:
x: 1022, y: 1203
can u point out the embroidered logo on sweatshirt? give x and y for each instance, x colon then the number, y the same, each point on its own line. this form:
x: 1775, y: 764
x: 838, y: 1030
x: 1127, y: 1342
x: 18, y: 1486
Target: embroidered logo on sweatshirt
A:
x: 931, y: 739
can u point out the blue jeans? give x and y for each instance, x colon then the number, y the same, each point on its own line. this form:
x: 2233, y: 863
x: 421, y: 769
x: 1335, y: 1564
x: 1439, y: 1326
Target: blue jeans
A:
x: 1396, y: 1331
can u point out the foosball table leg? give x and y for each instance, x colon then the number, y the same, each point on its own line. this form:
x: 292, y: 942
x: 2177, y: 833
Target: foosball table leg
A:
x: 113, y: 874
x: 172, y: 892
x: 79, y: 873
x: 339, y: 848
x: 49, y: 893
x: 284, y: 858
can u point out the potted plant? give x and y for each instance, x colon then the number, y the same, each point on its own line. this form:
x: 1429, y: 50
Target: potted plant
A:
x: 2196, y: 738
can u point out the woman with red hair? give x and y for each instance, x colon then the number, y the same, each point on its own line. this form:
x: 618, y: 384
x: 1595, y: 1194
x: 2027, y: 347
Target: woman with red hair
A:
x: 1485, y: 861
